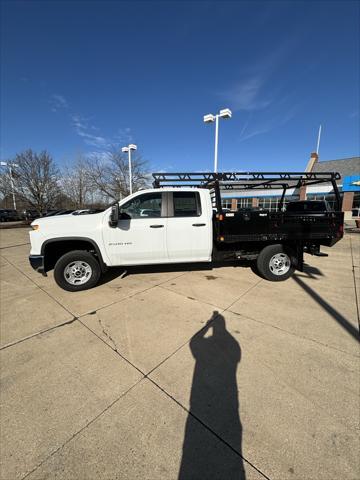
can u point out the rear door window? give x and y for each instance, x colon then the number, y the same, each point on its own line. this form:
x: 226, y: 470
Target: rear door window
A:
x: 186, y: 204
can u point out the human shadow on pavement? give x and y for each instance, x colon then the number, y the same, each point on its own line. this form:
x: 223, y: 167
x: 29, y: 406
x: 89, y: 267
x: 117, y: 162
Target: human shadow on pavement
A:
x: 213, y: 432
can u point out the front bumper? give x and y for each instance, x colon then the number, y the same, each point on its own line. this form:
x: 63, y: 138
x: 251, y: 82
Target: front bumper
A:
x: 37, y: 263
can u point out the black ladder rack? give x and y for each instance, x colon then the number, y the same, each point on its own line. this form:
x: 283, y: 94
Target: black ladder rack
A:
x: 207, y: 179
x: 246, y: 181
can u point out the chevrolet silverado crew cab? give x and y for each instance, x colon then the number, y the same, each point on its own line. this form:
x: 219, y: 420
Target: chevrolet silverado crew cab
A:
x: 181, y: 220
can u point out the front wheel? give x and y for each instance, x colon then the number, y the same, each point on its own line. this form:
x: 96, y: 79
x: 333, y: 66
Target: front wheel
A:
x: 77, y: 270
x: 275, y: 263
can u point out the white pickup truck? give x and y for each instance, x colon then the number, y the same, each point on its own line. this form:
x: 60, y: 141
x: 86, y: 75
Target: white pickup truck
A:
x: 181, y: 225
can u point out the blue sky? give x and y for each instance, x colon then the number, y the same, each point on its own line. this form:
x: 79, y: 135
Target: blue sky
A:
x: 79, y: 76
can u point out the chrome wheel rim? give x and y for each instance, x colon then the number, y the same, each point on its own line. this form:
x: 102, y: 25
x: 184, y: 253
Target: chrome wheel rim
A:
x: 77, y: 273
x: 279, y: 264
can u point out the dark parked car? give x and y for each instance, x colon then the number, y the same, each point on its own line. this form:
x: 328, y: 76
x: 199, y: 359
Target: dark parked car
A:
x: 3, y: 215
x: 308, y: 206
x: 9, y: 215
x: 88, y: 211
x: 31, y: 214
x: 51, y: 213
x: 64, y: 212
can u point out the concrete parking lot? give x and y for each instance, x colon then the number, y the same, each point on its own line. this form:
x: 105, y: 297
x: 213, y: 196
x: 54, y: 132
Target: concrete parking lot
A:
x: 178, y: 374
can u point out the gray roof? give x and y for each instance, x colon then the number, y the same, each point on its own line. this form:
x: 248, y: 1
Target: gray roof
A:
x: 345, y: 166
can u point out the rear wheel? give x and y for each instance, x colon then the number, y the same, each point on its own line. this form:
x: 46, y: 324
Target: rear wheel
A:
x: 77, y: 270
x: 275, y: 263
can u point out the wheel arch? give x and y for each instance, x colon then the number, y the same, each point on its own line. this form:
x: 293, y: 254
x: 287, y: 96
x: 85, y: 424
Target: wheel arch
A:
x: 54, y: 248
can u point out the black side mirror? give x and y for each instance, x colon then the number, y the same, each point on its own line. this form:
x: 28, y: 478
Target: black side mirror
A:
x: 114, y: 216
x: 124, y: 216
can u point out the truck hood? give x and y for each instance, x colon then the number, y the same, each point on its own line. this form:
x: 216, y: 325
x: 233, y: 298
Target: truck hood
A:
x: 69, y: 225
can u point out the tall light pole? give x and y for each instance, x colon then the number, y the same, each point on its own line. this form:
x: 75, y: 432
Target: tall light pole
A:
x: 10, y: 166
x: 318, y: 141
x: 209, y: 118
x: 128, y: 149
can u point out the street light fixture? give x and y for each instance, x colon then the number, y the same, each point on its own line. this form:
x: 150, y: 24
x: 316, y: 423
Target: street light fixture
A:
x: 210, y: 118
x: 128, y: 150
x: 11, y: 166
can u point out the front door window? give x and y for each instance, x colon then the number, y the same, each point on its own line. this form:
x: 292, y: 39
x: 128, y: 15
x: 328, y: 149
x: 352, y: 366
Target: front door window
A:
x: 143, y: 206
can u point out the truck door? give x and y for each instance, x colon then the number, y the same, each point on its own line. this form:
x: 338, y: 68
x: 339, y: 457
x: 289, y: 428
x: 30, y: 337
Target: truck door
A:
x: 140, y: 237
x: 189, y: 228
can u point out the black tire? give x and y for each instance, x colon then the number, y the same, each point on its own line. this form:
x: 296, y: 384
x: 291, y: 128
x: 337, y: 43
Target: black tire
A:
x: 86, y: 264
x: 269, y: 256
x: 254, y: 268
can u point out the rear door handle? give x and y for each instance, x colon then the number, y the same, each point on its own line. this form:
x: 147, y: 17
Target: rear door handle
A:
x: 199, y: 224
x: 156, y: 226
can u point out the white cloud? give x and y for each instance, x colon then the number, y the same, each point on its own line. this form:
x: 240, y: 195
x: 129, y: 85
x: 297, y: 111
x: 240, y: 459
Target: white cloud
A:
x: 254, y: 89
x: 123, y: 136
x: 248, y: 94
x: 58, y: 102
x: 84, y: 128
x: 105, y: 156
x: 268, y: 125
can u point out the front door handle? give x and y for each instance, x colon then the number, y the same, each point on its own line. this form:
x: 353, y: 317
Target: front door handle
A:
x: 199, y: 224
x: 156, y: 226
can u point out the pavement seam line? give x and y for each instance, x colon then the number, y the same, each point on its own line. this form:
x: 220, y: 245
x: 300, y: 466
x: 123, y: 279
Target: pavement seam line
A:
x: 164, y: 287
x: 294, y: 334
x: 131, y: 295
x: 114, y: 349
x: 54, y: 327
x: 209, y: 429
x: 41, y: 288
x: 207, y: 303
x: 177, y: 349
x: 66, y: 309
x: 13, y: 246
x: 82, y: 428
x: 243, y: 295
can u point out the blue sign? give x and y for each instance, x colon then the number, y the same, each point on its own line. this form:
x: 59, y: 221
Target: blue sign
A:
x: 351, y: 184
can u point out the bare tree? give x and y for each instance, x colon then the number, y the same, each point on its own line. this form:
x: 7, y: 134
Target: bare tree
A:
x: 37, y: 179
x: 5, y: 188
x: 77, y: 184
x: 109, y: 174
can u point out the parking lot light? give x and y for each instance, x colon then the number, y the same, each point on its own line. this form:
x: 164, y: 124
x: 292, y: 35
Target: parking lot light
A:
x: 210, y: 118
x: 128, y: 150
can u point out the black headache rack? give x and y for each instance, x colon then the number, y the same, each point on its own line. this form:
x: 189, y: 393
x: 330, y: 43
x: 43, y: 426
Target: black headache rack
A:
x: 247, y: 181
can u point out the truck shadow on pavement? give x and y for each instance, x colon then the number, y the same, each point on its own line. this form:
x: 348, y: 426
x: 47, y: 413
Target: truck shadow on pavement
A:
x: 115, y: 272
x: 214, y: 408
